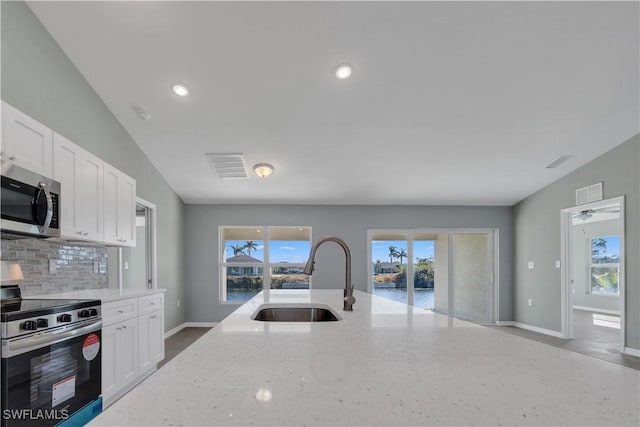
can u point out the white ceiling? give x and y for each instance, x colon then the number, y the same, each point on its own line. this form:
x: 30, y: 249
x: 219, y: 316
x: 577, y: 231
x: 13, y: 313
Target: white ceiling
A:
x: 450, y: 102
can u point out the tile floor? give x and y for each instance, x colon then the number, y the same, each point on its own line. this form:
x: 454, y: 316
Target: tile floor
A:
x: 599, y: 340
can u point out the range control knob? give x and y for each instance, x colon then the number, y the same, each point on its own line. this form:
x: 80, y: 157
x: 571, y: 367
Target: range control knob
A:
x: 93, y: 312
x: 43, y: 323
x: 84, y: 313
x: 30, y: 325
x: 64, y: 318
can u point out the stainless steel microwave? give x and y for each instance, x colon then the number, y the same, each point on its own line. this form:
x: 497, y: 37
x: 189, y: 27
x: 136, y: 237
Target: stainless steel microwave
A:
x: 29, y: 202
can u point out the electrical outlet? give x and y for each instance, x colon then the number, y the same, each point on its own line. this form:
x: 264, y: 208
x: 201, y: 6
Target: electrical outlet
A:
x: 557, y: 263
x: 53, y: 266
x: 126, y: 265
x: 178, y: 303
x: 96, y: 267
x: 530, y: 302
x: 530, y: 265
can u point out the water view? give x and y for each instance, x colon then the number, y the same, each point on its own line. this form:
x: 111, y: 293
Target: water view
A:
x: 422, y: 298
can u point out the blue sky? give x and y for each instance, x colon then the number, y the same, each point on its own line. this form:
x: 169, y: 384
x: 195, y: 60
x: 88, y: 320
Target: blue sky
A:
x: 421, y: 249
x: 280, y: 250
x: 613, y: 246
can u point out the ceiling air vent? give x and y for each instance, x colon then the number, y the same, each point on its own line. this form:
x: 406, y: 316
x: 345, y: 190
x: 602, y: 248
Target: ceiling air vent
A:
x: 590, y: 193
x: 227, y: 165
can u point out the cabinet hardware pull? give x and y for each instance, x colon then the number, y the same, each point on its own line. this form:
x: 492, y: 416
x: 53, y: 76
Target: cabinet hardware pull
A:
x: 120, y: 311
x: 12, y: 157
x: 85, y: 233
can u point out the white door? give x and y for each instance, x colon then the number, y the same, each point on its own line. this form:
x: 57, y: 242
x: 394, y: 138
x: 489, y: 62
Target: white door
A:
x: 26, y: 142
x: 472, y: 278
x: 66, y: 170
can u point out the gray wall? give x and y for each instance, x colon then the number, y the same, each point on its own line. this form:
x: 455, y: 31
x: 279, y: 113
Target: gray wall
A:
x: 40, y: 80
x: 537, y: 238
x: 581, y: 260
x: 348, y: 222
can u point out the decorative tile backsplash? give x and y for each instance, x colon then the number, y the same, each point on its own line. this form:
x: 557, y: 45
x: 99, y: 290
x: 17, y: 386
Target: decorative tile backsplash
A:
x: 73, y: 267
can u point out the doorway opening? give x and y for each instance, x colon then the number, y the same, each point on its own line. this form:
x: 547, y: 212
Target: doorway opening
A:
x: 593, y: 275
x: 136, y: 266
x: 449, y: 271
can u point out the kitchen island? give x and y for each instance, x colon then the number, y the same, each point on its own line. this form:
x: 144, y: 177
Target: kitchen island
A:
x: 385, y: 363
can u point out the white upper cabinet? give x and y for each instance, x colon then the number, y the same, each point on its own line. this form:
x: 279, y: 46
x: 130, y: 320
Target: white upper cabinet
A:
x: 119, y: 207
x: 81, y: 177
x: 97, y: 201
x: 26, y: 142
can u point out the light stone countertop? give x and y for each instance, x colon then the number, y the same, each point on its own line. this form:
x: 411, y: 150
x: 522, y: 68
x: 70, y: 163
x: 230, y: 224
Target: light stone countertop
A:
x: 385, y: 363
x: 105, y: 295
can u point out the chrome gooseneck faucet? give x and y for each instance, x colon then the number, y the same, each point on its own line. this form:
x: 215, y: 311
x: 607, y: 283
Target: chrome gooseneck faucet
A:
x: 349, y: 299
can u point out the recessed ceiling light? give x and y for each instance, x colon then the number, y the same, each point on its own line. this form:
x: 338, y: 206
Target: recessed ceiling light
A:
x: 180, y: 90
x: 344, y: 71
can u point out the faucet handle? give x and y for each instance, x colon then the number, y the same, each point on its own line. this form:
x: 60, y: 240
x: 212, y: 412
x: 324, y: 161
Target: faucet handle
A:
x: 349, y: 299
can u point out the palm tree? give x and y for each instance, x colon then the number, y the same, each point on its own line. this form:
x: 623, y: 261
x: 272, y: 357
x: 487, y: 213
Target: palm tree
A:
x: 393, y: 253
x: 237, y: 250
x: 402, y: 253
x: 250, y: 245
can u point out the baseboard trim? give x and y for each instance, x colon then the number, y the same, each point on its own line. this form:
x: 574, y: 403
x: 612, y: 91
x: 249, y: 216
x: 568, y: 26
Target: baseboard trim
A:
x: 596, y: 310
x: 505, y: 323
x: 531, y: 328
x: 174, y: 330
x: 189, y: 325
x: 631, y: 351
x: 201, y: 324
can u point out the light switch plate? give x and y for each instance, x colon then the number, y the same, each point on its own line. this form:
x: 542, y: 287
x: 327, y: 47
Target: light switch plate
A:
x: 531, y: 265
x: 530, y: 302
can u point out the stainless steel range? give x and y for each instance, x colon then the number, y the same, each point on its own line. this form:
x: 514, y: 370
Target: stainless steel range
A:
x: 51, y: 360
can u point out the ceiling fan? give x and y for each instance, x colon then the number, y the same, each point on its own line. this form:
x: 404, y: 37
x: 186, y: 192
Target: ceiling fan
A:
x: 588, y: 213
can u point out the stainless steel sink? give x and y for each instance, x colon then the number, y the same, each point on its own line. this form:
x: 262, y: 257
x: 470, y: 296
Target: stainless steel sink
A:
x: 295, y: 313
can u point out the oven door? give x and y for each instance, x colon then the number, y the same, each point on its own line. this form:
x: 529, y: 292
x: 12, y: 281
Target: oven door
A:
x: 47, y: 377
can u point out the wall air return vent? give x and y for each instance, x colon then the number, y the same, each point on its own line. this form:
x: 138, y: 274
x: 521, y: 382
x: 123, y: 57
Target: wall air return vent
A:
x: 227, y: 165
x: 590, y: 193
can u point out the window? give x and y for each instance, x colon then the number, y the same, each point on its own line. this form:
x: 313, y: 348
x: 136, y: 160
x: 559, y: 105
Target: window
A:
x: 402, y: 265
x: 257, y: 258
x: 605, y: 265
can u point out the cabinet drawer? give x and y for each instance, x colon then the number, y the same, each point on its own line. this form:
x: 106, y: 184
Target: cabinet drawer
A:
x: 150, y: 303
x: 117, y: 311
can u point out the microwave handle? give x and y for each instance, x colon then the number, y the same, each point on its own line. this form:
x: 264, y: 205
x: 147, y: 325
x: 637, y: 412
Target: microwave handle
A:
x: 47, y: 219
x: 14, y: 347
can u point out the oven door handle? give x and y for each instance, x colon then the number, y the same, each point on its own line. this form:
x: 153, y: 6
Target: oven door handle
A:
x: 25, y: 345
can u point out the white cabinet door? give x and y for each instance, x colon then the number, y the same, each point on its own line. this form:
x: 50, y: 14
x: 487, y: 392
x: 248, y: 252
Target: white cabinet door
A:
x: 127, y: 210
x: 151, y: 333
x: 119, y: 357
x: 128, y: 344
x: 80, y: 174
x: 26, y: 142
x: 67, y: 170
x: 110, y: 383
x: 119, y: 207
x: 111, y: 178
x: 91, y: 198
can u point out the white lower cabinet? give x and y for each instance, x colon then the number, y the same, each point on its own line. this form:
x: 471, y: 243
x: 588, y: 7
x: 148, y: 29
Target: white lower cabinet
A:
x: 151, y: 339
x: 119, y: 357
x: 132, y: 343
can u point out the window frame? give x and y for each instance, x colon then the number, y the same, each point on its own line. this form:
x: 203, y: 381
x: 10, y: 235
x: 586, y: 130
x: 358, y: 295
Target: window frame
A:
x: 592, y: 265
x: 265, y: 264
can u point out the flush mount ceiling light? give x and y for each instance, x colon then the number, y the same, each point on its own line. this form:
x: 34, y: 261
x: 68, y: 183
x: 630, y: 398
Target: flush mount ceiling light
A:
x: 180, y: 90
x: 263, y: 170
x: 344, y: 71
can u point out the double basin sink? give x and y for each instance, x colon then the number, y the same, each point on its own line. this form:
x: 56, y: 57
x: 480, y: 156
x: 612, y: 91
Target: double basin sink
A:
x: 295, y: 313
